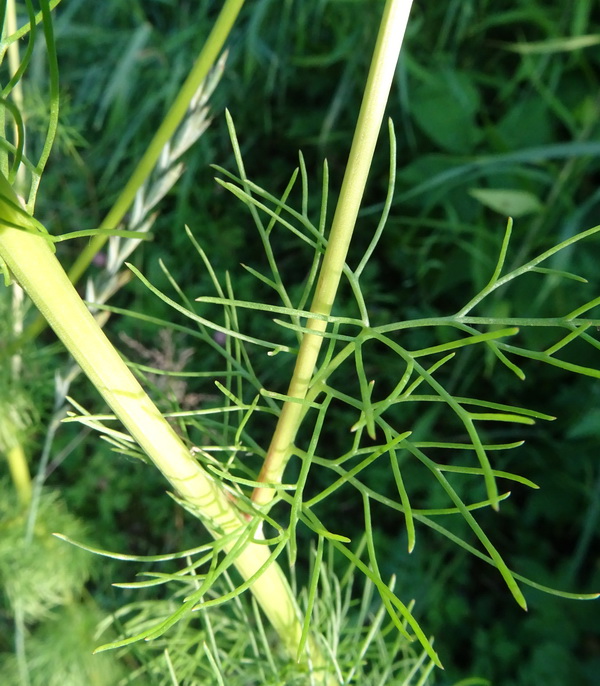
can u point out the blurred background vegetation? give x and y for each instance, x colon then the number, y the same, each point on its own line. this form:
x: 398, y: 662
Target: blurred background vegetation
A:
x: 497, y: 111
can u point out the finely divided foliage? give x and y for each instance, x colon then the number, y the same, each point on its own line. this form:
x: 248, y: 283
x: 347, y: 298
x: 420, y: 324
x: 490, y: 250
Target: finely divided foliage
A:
x: 278, y: 551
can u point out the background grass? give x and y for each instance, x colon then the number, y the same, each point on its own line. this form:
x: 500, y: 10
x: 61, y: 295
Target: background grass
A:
x: 490, y: 95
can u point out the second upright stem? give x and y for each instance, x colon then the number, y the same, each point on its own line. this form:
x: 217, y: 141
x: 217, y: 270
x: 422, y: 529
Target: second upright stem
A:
x: 381, y: 73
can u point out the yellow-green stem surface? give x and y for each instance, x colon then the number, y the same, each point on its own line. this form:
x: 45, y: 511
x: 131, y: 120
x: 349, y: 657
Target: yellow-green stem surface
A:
x: 383, y: 66
x: 31, y: 261
x: 19, y: 472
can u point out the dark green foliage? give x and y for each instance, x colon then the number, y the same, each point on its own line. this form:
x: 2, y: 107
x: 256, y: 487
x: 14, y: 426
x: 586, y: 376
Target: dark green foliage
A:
x: 496, y: 112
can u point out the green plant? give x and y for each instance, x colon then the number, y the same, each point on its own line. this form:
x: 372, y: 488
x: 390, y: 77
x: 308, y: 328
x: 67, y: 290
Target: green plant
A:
x: 245, y: 506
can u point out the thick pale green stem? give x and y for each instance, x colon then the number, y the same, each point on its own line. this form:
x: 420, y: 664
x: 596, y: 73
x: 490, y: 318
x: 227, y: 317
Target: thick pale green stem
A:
x: 19, y: 472
x: 15, y: 455
x: 31, y: 261
x: 383, y: 66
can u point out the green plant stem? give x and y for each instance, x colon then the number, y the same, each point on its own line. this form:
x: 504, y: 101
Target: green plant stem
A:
x: 14, y: 60
x: 383, y: 66
x: 207, y: 58
x: 19, y: 472
x: 31, y: 261
x: 15, y: 455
